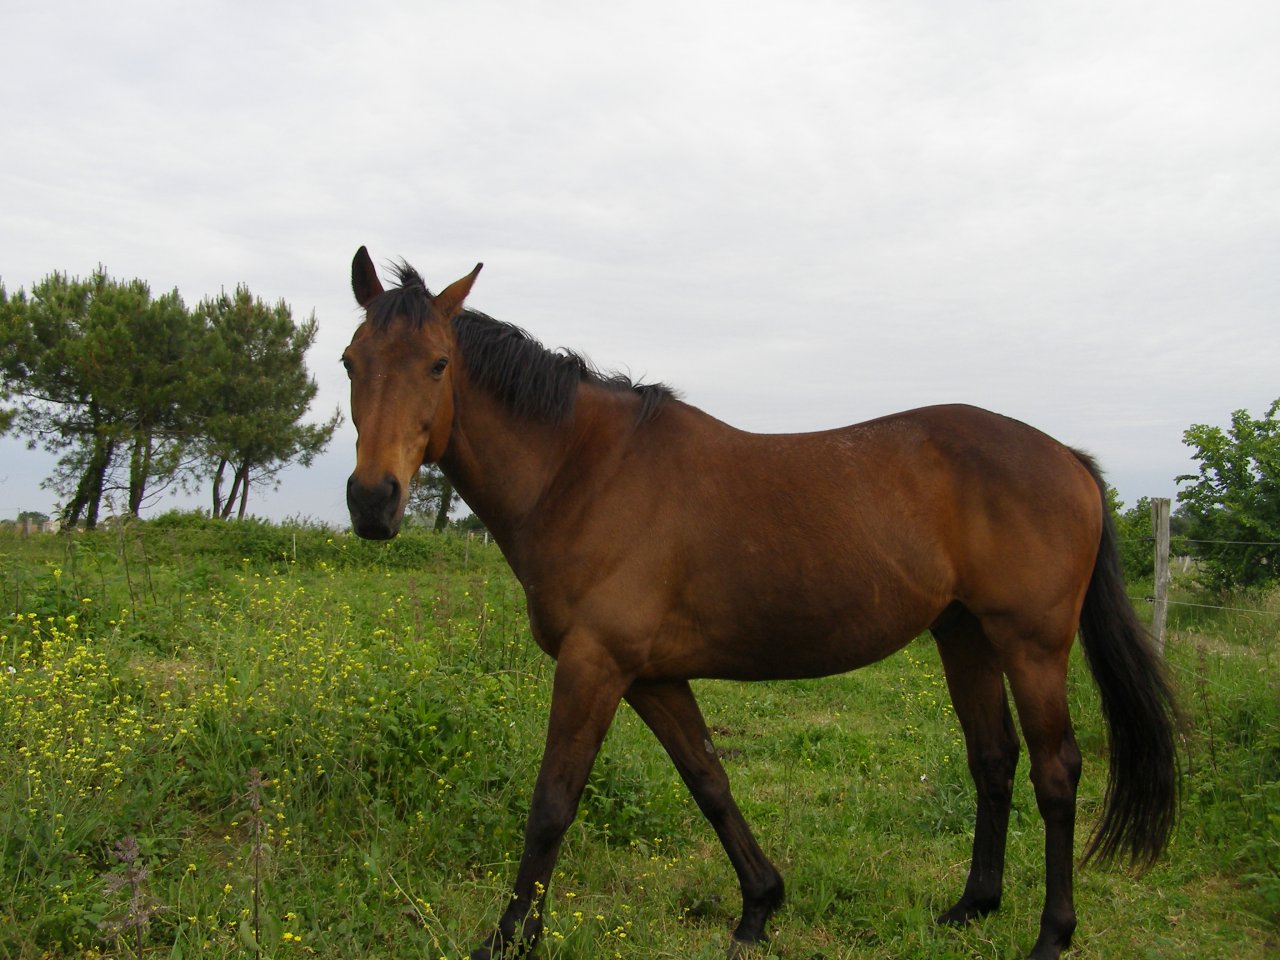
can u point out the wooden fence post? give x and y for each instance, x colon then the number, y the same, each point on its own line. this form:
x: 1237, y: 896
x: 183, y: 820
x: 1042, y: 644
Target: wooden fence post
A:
x: 1160, y: 524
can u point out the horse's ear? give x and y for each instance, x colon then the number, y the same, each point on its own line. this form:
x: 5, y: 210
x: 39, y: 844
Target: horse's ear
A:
x: 364, y: 278
x: 449, y: 302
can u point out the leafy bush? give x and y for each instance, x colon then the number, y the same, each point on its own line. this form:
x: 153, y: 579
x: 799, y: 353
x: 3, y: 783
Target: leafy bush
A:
x: 1233, y: 501
x: 1134, y: 537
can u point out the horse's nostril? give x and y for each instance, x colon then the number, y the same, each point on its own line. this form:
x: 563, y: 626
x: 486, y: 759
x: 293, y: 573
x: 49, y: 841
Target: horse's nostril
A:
x: 375, y: 508
x: 377, y: 498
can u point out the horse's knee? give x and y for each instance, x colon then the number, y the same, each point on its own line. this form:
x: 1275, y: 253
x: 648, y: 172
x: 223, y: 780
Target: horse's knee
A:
x: 1071, y: 759
x: 1055, y: 790
x: 548, y: 822
x: 992, y: 767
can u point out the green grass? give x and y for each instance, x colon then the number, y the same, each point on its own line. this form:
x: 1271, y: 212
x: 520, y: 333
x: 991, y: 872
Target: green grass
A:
x: 393, y: 707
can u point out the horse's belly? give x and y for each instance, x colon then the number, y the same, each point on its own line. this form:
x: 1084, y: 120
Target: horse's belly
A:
x: 783, y: 650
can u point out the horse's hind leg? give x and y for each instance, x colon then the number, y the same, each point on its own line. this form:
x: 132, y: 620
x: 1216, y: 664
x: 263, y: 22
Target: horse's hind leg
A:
x: 1038, y: 678
x: 976, y: 683
x: 672, y: 713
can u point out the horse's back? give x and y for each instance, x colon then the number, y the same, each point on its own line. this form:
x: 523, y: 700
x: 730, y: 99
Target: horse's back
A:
x: 936, y: 467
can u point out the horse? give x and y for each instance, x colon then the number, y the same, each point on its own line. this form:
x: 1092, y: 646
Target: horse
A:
x: 657, y: 545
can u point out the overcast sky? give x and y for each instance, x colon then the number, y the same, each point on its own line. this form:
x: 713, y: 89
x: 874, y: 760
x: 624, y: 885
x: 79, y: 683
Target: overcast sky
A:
x: 800, y: 214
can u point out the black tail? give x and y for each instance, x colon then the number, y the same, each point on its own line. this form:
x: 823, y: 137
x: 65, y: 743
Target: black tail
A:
x: 1141, y: 803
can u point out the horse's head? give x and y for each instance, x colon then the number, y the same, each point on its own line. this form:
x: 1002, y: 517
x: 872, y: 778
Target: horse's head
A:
x: 401, y: 389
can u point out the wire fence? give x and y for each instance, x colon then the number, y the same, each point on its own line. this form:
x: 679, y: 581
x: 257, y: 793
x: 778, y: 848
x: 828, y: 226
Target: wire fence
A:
x: 1206, y: 606
x: 1199, y: 677
x: 1181, y: 539
x: 1197, y: 674
x: 1209, y: 606
x: 1202, y: 542
x: 1239, y: 543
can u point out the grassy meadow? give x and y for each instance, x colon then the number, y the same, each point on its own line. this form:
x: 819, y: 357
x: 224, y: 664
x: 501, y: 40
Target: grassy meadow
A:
x: 244, y: 740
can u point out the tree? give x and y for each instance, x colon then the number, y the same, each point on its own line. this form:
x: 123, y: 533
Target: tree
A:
x: 95, y: 368
x: 431, y: 497
x: 161, y: 359
x: 1134, y: 537
x: 255, y: 392
x: 1233, y: 501
x: 8, y: 325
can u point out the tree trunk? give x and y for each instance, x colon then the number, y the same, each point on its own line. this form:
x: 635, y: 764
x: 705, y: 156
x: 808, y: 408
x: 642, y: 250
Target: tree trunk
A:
x: 243, y: 479
x: 239, y: 491
x: 446, y: 501
x: 217, y: 487
x: 229, y: 504
x: 139, y: 471
x: 97, y: 476
x: 71, y: 512
x: 88, y: 497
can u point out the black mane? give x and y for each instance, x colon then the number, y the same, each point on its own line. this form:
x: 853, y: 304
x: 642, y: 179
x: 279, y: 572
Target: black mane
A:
x: 504, y: 360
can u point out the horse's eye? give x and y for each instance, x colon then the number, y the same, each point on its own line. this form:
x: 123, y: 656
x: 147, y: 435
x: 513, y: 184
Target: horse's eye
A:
x: 346, y: 363
x: 438, y: 368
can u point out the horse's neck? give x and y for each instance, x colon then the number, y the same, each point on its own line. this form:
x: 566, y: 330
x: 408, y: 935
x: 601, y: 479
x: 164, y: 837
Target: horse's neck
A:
x: 505, y: 467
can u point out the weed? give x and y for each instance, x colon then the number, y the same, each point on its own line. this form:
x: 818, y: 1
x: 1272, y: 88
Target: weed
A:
x: 131, y: 918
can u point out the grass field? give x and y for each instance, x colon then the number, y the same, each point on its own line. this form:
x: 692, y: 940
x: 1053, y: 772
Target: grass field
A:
x: 243, y: 740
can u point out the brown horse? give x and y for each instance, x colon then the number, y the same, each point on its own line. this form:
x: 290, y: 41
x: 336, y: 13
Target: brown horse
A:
x: 656, y: 545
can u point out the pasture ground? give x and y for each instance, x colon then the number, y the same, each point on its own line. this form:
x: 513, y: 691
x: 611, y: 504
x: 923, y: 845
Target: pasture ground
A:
x: 247, y: 740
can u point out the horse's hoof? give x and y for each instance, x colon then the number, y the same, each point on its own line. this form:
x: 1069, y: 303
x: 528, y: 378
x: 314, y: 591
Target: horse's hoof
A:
x: 963, y: 913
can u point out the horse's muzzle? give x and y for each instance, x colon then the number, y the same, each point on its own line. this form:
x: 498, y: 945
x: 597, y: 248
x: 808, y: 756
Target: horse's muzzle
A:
x: 375, y: 510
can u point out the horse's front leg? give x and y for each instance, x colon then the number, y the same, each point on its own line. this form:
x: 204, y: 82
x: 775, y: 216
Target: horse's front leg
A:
x: 588, y: 687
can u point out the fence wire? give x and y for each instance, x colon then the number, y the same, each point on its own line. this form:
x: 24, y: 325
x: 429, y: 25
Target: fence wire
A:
x: 1207, y: 606
x: 1180, y: 539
